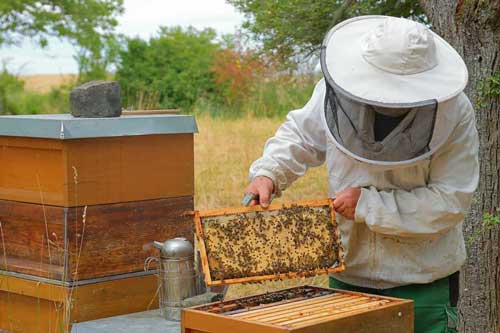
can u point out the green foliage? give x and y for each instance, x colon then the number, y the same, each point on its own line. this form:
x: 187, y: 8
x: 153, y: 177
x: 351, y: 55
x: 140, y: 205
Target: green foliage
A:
x: 9, y: 86
x: 83, y: 22
x: 490, y: 222
x: 14, y: 99
x: 294, y: 28
x: 94, y: 65
x: 271, y: 97
x: 88, y: 25
x: 171, y: 70
x: 489, y: 88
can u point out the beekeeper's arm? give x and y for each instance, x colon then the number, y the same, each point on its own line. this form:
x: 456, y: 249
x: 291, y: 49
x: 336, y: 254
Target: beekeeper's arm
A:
x: 299, y: 143
x: 442, y: 204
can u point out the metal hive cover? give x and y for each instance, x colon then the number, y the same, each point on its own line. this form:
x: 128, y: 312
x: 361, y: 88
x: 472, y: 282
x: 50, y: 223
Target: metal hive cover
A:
x: 250, y: 244
x: 65, y: 126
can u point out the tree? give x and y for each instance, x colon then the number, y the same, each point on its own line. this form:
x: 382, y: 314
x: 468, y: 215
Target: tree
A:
x: 296, y: 28
x: 473, y: 28
x: 88, y: 25
x: 171, y: 70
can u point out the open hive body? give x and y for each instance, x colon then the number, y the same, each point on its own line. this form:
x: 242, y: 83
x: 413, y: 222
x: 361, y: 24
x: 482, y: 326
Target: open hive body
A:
x: 252, y: 244
x: 302, y: 309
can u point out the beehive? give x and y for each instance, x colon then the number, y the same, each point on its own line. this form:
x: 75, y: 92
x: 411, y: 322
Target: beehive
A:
x: 302, y: 309
x: 81, y: 200
x: 252, y: 244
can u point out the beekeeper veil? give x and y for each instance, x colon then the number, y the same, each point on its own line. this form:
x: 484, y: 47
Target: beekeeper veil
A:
x: 386, y: 82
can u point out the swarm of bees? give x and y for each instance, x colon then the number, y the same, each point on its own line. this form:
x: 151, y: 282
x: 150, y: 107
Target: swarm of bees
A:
x: 296, y: 239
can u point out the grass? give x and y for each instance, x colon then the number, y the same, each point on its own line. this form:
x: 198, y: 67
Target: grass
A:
x: 224, y: 150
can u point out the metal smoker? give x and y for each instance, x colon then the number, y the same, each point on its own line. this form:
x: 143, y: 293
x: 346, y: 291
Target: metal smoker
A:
x: 178, y: 277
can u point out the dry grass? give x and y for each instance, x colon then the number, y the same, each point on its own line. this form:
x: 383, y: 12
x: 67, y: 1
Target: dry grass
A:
x: 44, y: 83
x: 224, y: 150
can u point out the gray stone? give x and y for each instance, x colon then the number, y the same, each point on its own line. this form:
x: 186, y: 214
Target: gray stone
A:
x: 96, y: 99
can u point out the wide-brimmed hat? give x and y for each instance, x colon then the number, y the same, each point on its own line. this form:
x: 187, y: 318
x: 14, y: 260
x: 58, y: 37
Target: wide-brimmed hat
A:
x: 391, y: 62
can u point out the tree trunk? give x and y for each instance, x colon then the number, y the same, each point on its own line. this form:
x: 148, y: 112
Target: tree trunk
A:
x: 473, y: 28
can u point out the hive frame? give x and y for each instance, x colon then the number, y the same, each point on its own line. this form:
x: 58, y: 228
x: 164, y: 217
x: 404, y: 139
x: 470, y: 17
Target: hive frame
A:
x: 198, y: 215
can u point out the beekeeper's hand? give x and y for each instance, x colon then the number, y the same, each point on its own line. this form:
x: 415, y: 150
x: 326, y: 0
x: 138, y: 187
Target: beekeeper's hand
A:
x: 345, y: 202
x: 263, y: 187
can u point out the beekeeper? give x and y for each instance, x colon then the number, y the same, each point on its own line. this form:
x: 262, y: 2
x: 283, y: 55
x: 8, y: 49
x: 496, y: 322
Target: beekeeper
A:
x: 399, y: 139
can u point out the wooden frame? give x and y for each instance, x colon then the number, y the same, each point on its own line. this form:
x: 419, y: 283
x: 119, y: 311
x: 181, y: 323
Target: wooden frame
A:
x: 386, y: 315
x: 198, y: 215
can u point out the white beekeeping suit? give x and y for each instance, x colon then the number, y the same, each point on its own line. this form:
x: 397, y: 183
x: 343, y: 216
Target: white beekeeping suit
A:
x: 417, y: 182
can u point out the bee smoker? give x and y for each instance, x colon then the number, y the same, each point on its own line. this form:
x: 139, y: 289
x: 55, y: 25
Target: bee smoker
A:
x: 178, y: 277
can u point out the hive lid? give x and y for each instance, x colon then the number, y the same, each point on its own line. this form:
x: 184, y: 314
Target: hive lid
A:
x: 65, y: 126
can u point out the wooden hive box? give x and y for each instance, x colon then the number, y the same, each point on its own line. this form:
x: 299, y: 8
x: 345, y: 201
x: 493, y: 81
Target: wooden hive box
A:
x: 81, y: 201
x: 302, y: 309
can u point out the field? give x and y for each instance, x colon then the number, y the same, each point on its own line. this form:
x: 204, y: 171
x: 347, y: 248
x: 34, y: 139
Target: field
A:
x: 44, y: 83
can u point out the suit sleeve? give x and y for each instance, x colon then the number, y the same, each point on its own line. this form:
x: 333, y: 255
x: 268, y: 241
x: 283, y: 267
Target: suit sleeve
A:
x: 442, y: 204
x: 299, y: 143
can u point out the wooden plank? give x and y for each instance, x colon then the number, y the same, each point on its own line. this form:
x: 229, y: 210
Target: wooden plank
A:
x: 32, y: 170
x: 149, y: 112
x: 32, y: 288
x: 208, y: 322
x: 26, y: 266
x: 33, y: 238
x: 290, y: 306
x: 330, y: 313
x: 203, y: 251
x: 23, y: 314
x: 114, y: 297
x: 121, y: 169
x: 96, y: 171
x: 394, y: 318
x: 117, y: 238
x: 281, y: 276
x: 205, y: 221
x: 302, y: 310
x: 31, y: 306
x: 258, y: 208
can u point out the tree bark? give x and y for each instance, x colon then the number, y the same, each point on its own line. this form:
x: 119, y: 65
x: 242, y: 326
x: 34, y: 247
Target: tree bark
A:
x: 473, y: 28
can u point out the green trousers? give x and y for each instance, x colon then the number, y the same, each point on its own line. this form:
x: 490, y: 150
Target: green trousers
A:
x: 433, y: 311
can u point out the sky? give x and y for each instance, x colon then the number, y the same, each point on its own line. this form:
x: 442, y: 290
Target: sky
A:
x: 141, y: 18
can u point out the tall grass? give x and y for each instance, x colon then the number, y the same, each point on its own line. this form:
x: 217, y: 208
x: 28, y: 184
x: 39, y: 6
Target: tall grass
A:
x: 224, y: 150
x: 271, y: 97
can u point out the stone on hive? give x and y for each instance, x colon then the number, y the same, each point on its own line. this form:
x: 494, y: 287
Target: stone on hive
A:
x: 96, y: 99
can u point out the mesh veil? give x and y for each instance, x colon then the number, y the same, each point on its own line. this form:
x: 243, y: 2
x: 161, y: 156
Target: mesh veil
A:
x: 352, y: 123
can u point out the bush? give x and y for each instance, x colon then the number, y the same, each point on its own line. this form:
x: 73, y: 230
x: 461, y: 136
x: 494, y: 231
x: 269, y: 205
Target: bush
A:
x: 269, y: 97
x: 171, y: 70
x: 15, y: 100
